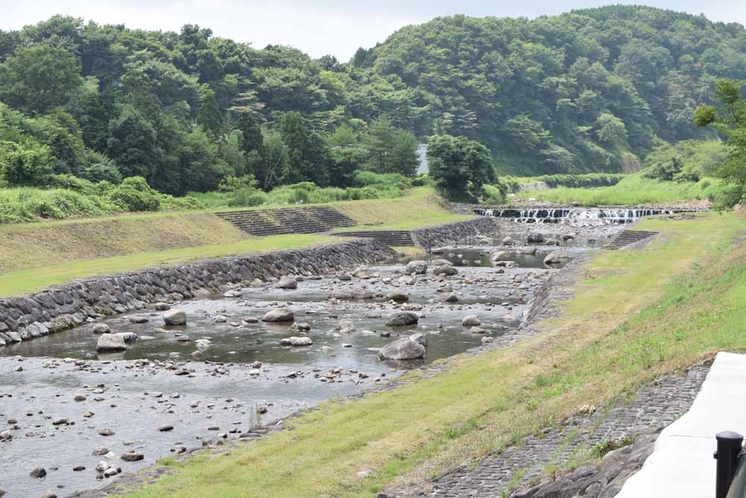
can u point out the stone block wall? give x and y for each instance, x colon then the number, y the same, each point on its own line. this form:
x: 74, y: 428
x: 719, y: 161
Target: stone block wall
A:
x: 69, y: 305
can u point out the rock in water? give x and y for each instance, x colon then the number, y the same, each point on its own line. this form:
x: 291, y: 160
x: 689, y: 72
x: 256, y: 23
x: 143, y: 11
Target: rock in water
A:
x: 402, y: 319
x: 132, y: 457
x: 408, y: 348
x: 471, y: 321
x: 38, y: 472
x: 111, y: 342
x: 445, y: 270
x: 508, y: 241
x: 418, y: 267
x: 101, y: 328
x: 556, y: 257
x: 397, y: 296
x: 296, y: 341
x: 441, y: 262
x: 536, y: 238
x: 175, y: 317
x: 128, y: 337
x: 287, y: 282
x: 279, y: 315
x: 500, y: 256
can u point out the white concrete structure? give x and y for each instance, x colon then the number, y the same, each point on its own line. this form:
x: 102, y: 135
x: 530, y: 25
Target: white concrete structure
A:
x: 682, y: 464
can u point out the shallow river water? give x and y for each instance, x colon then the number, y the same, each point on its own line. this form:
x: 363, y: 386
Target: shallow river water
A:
x: 57, y: 394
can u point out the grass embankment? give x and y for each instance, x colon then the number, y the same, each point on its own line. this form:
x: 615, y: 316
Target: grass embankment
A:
x: 632, y: 190
x: 636, y: 315
x: 36, y: 255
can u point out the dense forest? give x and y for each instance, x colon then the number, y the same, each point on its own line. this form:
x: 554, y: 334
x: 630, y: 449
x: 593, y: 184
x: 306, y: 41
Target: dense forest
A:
x: 581, y: 92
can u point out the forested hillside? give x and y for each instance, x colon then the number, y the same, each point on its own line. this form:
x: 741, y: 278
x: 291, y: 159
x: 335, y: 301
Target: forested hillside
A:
x: 564, y: 94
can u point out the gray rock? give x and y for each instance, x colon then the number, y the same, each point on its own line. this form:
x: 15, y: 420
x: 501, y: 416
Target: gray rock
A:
x: 407, y: 348
x: 500, y: 256
x: 162, y: 306
x: 471, y: 321
x: 296, y: 341
x: 397, y: 296
x: 175, y: 317
x: 536, y: 238
x: 38, y: 472
x: 111, y: 342
x: 417, y: 267
x: 441, y: 262
x: 101, y: 328
x: 451, y: 298
x: 279, y: 315
x: 508, y: 241
x: 445, y: 270
x: 402, y: 319
x: 128, y: 337
x: 132, y: 457
x: 287, y: 282
x: 556, y: 257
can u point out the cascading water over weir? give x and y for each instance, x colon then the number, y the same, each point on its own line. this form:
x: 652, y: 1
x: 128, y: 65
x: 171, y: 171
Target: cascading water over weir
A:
x: 619, y: 215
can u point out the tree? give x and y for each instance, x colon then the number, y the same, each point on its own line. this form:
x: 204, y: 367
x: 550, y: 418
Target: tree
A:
x: 132, y: 144
x: 379, y: 141
x: 23, y: 164
x: 39, y: 78
x: 404, y: 159
x: 729, y: 119
x: 306, y: 151
x: 273, y: 165
x: 459, y: 166
x: 209, y: 116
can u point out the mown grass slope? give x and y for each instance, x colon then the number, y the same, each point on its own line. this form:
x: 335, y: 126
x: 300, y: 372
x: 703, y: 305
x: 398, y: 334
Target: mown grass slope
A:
x: 636, y: 315
x: 36, y: 255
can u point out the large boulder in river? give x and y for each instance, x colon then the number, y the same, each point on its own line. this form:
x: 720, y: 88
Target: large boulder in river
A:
x: 536, y: 238
x: 174, y: 317
x: 407, y: 348
x: 508, y: 241
x: 402, y: 319
x: 441, y: 262
x: 418, y: 267
x: 556, y: 258
x: 111, y: 342
x: 445, y: 270
x: 471, y: 321
x: 500, y: 256
x: 287, y: 282
x: 279, y: 315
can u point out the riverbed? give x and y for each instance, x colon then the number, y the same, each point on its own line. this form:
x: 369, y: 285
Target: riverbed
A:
x: 227, y: 371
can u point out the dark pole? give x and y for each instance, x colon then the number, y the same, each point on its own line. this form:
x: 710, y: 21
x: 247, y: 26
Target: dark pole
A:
x: 729, y: 446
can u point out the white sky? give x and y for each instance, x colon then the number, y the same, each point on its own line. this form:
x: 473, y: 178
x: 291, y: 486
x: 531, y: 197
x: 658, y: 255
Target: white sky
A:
x: 318, y: 27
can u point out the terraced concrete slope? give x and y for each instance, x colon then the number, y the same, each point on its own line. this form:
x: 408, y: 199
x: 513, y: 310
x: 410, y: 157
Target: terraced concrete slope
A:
x: 309, y: 219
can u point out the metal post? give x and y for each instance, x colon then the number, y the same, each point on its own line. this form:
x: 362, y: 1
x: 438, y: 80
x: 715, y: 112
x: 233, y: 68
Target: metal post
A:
x: 728, y: 447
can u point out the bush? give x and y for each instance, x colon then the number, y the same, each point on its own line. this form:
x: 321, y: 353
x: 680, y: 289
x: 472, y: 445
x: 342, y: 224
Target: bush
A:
x: 248, y: 198
x: 130, y: 199
x: 72, y: 182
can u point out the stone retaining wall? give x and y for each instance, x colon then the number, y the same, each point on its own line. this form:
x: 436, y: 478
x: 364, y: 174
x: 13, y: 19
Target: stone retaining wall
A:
x: 457, y: 232
x: 67, y: 306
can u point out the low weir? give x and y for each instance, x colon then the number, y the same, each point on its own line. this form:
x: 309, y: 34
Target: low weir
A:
x: 615, y: 215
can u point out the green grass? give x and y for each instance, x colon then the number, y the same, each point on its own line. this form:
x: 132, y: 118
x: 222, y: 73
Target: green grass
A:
x: 36, y: 255
x: 632, y: 190
x: 636, y: 315
x: 422, y: 207
x: 20, y: 282
x: 35, y: 245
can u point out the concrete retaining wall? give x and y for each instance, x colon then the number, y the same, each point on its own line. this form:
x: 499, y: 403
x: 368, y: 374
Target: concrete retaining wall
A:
x: 67, y: 306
